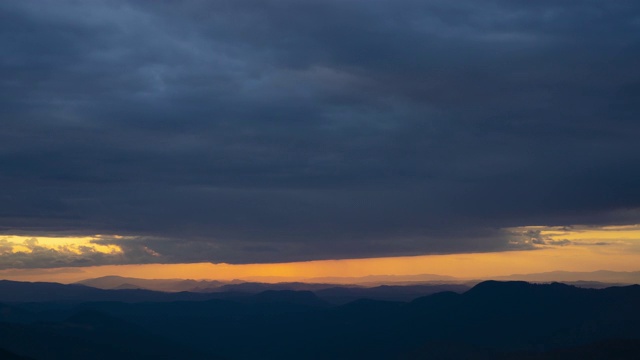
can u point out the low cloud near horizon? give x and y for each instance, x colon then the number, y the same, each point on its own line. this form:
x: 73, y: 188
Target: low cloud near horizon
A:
x: 272, y: 131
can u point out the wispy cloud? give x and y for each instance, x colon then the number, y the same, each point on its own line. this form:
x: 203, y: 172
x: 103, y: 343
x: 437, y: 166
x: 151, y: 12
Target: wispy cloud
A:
x: 48, y: 252
x: 627, y: 236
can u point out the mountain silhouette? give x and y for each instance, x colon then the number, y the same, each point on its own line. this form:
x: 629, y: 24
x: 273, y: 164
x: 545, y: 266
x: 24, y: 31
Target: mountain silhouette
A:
x: 291, y: 297
x: 91, y: 334
x: 492, y: 320
x: 605, y: 276
x: 7, y: 355
x: 14, y: 291
x: 169, y: 285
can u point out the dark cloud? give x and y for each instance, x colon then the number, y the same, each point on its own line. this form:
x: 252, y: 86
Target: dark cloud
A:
x: 245, y: 131
x: 565, y: 242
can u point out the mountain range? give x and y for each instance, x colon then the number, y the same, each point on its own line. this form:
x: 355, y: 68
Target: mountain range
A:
x: 491, y: 320
x: 586, y: 279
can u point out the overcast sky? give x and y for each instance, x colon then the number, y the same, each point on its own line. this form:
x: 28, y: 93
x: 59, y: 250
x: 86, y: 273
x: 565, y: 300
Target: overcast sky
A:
x: 266, y: 131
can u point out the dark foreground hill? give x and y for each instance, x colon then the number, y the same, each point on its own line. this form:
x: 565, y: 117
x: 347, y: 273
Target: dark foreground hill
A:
x: 15, y: 291
x: 7, y: 355
x: 493, y: 320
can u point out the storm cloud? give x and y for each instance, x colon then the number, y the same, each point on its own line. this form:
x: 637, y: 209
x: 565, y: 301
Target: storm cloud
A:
x: 263, y: 131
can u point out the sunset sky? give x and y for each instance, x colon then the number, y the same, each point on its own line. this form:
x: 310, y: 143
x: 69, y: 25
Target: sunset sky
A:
x: 301, y: 139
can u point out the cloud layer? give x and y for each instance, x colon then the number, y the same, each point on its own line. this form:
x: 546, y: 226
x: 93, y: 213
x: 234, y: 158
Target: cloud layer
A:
x: 261, y: 131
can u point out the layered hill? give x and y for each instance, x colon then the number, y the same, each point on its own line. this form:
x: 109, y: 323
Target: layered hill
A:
x: 492, y: 320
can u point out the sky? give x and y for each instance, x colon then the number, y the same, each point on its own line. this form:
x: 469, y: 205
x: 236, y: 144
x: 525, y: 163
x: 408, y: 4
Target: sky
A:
x: 247, y: 133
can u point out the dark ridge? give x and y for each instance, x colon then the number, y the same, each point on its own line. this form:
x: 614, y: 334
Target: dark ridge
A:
x: 290, y: 297
x: 370, y: 306
x: 10, y: 313
x: 7, y: 355
x: 18, y: 292
x: 618, y: 349
x: 406, y: 293
x: 497, y: 320
x: 497, y: 286
x: 442, y: 299
x: 524, y: 290
x: 91, y: 335
x: 98, y: 320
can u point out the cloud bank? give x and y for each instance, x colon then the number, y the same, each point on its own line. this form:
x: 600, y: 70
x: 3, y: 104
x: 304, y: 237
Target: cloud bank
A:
x: 263, y: 131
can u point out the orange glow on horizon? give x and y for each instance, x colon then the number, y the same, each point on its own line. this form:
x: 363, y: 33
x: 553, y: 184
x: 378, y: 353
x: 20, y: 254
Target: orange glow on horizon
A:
x: 583, y: 249
x: 466, y: 266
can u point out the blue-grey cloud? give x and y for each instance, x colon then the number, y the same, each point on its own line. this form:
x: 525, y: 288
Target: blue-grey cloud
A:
x: 317, y: 129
